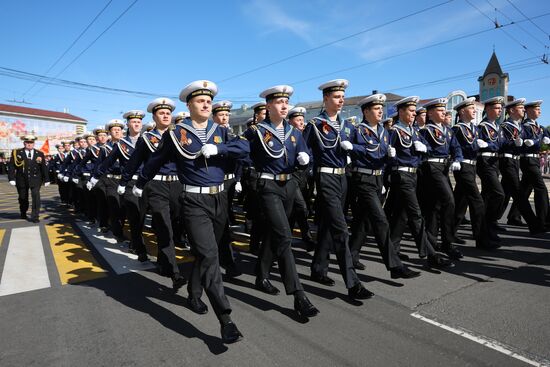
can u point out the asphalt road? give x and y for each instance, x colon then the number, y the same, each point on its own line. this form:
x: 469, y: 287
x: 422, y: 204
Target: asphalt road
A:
x: 83, y: 300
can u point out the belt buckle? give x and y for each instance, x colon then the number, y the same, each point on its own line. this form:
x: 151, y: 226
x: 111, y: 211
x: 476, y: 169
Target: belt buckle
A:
x: 283, y: 177
x: 169, y: 178
x: 213, y: 189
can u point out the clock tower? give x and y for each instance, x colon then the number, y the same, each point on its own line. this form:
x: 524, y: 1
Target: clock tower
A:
x: 494, y: 82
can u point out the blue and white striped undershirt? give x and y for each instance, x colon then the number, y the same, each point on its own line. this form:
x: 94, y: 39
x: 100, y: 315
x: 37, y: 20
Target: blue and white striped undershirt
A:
x: 281, y: 133
x: 335, y: 125
x: 202, y: 135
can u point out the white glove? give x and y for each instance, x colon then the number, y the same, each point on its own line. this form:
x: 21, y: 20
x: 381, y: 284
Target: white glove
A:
x: 12, y: 183
x: 391, y: 152
x: 209, y: 150
x: 238, y: 187
x: 65, y: 178
x: 59, y: 176
x: 529, y: 142
x: 93, y: 182
x: 47, y: 184
x: 546, y: 140
x: 89, y: 186
x: 346, y: 145
x: 383, y: 189
x: 75, y: 180
x: 518, y: 142
x: 420, y: 147
x: 303, y: 158
x: 482, y: 143
x: 348, y: 160
x: 121, y: 190
x: 137, y: 191
x: 455, y: 166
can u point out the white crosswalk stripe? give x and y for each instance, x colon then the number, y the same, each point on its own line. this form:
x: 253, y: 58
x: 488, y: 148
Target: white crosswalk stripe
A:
x: 25, y: 267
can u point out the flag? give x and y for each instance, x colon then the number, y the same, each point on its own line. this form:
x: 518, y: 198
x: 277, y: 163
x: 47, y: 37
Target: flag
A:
x: 45, y: 147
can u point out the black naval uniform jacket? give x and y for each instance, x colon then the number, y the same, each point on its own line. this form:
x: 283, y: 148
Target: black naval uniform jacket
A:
x: 28, y: 172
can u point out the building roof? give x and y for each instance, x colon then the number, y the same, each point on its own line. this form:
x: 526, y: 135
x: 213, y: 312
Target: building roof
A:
x: 493, y: 67
x: 35, y: 112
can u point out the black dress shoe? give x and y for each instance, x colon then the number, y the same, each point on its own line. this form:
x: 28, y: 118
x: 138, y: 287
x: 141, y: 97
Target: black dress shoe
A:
x: 359, y: 292
x: 304, y: 308
x: 439, y: 262
x: 35, y: 220
x: 230, y: 333
x: 265, y: 286
x: 322, y: 279
x: 452, y: 251
x: 23, y: 216
x: 143, y: 257
x: 403, y: 256
x: 178, y: 281
x: 403, y: 272
x: 358, y: 265
x: 197, y: 305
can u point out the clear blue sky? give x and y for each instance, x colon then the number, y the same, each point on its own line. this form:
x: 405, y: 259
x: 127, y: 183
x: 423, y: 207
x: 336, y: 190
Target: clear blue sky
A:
x: 160, y: 46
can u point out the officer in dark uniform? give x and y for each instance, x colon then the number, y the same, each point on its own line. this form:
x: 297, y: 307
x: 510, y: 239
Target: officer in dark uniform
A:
x: 79, y: 186
x: 121, y: 153
x: 98, y: 191
x: 327, y: 135
x: 161, y: 194
x: 488, y: 164
x: 300, y: 211
x: 533, y: 138
x: 420, y: 119
x: 510, y: 150
x: 443, y: 153
x: 369, y: 157
x: 109, y: 174
x: 466, y: 191
x: 220, y: 115
x: 27, y: 170
x: 409, y: 146
x: 66, y: 170
x: 82, y: 173
x: 251, y: 204
x: 276, y: 148
x: 201, y: 149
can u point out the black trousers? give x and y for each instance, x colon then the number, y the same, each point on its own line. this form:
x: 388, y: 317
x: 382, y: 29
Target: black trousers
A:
x: 300, y: 214
x: 115, y: 205
x: 491, y: 188
x: 163, y: 198
x: 100, y: 194
x: 78, y: 193
x: 509, y: 168
x: 90, y: 203
x: 225, y: 250
x: 135, y: 219
x: 368, y: 190
x: 276, y: 201
x: 252, y: 207
x: 439, y: 203
x: 406, y: 211
x: 466, y: 191
x: 332, y: 233
x: 23, y: 198
x: 532, y: 180
x: 204, y: 217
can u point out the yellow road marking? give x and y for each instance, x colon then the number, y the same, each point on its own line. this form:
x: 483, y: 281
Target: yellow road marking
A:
x: 2, y: 232
x: 75, y: 263
x: 241, y: 245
